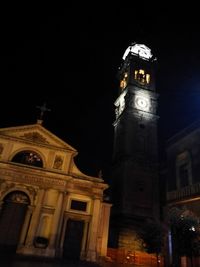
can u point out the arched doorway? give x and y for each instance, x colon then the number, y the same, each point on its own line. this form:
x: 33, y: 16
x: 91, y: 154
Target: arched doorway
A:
x: 12, y: 217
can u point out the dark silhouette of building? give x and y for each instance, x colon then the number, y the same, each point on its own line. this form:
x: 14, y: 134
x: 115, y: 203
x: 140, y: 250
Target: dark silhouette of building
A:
x: 182, y: 169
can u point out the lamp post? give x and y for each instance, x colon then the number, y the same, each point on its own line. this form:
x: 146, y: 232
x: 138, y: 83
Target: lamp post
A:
x: 192, y: 230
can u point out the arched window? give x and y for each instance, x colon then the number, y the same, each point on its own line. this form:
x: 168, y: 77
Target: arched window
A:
x: 29, y: 158
x: 141, y: 76
x: 17, y: 197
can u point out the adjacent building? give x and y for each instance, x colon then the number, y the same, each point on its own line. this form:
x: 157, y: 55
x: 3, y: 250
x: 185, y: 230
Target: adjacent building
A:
x: 182, y: 173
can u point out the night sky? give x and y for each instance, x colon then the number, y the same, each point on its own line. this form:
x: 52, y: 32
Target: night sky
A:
x: 68, y: 57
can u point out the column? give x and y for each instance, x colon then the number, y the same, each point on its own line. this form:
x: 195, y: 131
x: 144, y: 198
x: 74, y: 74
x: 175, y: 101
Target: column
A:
x: 105, y: 217
x: 92, y: 242
x: 35, y: 218
x: 61, y: 227
x: 55, y: 222
x: 25, y: 226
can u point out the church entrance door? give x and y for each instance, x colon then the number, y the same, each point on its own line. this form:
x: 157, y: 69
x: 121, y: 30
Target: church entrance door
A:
x: 73, y: 239
x: 12, y: 217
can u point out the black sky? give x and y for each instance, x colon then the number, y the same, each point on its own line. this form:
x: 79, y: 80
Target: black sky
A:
x: 68, y: 56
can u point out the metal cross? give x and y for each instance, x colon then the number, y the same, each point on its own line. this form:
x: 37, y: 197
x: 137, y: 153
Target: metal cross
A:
x: 43, y: 109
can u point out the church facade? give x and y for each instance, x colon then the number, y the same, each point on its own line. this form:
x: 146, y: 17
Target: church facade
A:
x: 48, y: 207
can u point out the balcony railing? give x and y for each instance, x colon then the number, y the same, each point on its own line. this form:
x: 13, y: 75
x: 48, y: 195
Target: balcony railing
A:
x: 187, y: 192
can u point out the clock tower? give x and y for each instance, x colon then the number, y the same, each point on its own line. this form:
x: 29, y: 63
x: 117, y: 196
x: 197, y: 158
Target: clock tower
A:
x: 134, y: 185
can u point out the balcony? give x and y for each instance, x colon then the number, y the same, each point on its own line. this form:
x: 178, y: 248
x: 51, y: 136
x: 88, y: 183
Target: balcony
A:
x: 185, y: 193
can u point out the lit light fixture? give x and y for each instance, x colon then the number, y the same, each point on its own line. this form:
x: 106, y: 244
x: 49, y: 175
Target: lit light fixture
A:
x: 192, y: 228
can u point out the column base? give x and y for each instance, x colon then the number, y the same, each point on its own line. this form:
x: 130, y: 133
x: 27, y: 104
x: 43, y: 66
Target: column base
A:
x: 38, y: 252
x: 91, y: 256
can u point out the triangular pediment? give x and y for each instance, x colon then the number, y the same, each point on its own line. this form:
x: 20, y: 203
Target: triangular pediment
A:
x: 35, y: 133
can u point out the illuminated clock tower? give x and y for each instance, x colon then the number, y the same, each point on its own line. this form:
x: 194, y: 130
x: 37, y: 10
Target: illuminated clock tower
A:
x: 134, y: 186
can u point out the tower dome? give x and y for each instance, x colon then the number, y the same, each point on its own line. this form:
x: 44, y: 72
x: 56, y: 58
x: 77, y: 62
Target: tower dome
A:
x: 138, y: 49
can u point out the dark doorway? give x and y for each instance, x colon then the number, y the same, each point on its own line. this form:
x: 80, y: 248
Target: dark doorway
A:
x: 73, y: 239
x: 11, y: 220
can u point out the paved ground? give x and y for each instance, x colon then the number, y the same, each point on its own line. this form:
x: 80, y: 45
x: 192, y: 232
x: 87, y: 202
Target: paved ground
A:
x: 7, y: 260
x: 29, y: 262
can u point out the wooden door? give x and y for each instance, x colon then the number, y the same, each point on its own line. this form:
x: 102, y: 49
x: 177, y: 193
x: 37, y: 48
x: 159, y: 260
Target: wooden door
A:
x: 73, y: 239
x: 11, y: 221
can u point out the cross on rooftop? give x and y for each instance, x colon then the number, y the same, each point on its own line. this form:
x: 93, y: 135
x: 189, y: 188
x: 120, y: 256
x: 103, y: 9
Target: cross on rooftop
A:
x: 43, y: 109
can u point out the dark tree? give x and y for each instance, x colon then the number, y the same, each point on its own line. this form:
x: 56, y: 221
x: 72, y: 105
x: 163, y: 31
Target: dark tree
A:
x: 152, y: 236
x: 185, y: 230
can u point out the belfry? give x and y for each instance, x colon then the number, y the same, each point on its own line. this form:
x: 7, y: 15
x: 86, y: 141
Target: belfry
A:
x: 134, y: 185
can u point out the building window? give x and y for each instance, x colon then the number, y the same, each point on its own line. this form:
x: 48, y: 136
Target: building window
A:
x: 78, y: 205
x: 140, y: 186
x: 184, y: 175
x: 141, y: 76
x: 29, y: 158
x: 17, y: 197
x: 124, y: 80
x: 183, y: 170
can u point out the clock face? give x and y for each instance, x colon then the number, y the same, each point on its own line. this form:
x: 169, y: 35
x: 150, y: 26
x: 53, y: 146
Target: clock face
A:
x: 142, y: 103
